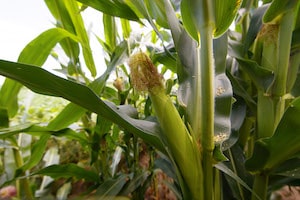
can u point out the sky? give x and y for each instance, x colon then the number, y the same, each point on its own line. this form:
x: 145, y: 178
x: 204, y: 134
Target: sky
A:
x: 21, y: 21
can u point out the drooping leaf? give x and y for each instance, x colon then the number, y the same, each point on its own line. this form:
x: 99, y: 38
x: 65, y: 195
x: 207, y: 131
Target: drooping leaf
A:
x: 37, y: 51
x: 48, y: 84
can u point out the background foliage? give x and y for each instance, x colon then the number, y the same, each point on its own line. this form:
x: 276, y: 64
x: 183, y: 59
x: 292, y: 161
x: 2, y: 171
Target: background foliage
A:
x: 83, y: 134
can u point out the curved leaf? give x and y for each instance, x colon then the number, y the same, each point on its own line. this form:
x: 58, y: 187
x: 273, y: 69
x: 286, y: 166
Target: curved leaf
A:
x: 36, y: 52
x: 225, y: 12
x: 223, y: 92
x: 278, y: 8
x: 261, y: 77
x: 188, y: 21
x: 157, y: 11
x: 115, y: 8
x: 73, y: 112
x: 48, y: 84
x: 63, y: 20
x: 81, y: 32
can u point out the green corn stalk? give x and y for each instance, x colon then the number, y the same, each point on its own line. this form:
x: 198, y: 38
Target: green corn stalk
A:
x: 180, y: 144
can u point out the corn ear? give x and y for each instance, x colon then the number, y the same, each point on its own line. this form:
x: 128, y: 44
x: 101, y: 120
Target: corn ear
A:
x: 181, y: 145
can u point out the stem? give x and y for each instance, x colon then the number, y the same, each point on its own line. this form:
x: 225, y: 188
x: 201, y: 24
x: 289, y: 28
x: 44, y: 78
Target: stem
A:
x: 260, y: 186
x: 284, y: 42
x: 265, y: 116
x: 207, y: 108
x: 217, y: 184
x: 22, y: 185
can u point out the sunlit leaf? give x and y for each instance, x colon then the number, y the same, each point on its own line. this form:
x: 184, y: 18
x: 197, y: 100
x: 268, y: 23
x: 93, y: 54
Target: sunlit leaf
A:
x: 115, y: 8
x: 278, y: 8
x: 81, y: 32
x: 188, y: 21
x: 60, y: 13
x: 225, y: 12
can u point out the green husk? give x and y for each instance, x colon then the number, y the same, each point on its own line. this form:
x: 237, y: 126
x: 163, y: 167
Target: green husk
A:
x: 181, y: 145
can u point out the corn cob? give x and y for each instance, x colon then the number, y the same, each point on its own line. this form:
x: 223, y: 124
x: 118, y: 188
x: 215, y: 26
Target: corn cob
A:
x: 180, y: 144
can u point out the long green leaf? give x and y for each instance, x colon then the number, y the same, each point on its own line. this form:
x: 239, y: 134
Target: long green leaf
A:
x: 37, y: 130
x: 278, y: 8
x: 115, y: 8
x: 74, y: 12
x: 73, y: 112
x: 36, y: 52
x: 225, y: 12
x: 68, y: 171
x: 230, y: 173
x: 46, y: 83
x: 60, y: 13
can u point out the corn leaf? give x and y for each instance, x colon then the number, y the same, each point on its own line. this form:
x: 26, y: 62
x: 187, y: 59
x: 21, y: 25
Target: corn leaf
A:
x: 111, y: 187
x: 223, y: 96
x: 73, y: 112
x: 74, y: 12
x: 277, y: 9
x: 48, y: 84
x: 68, y: 171
x: 35, y: 53
x: 225, y: 12
x: 114, y: 8
x: 268, y: 152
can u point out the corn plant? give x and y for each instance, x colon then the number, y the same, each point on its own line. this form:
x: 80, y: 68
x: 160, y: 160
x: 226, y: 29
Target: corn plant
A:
x: 224, y: 121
